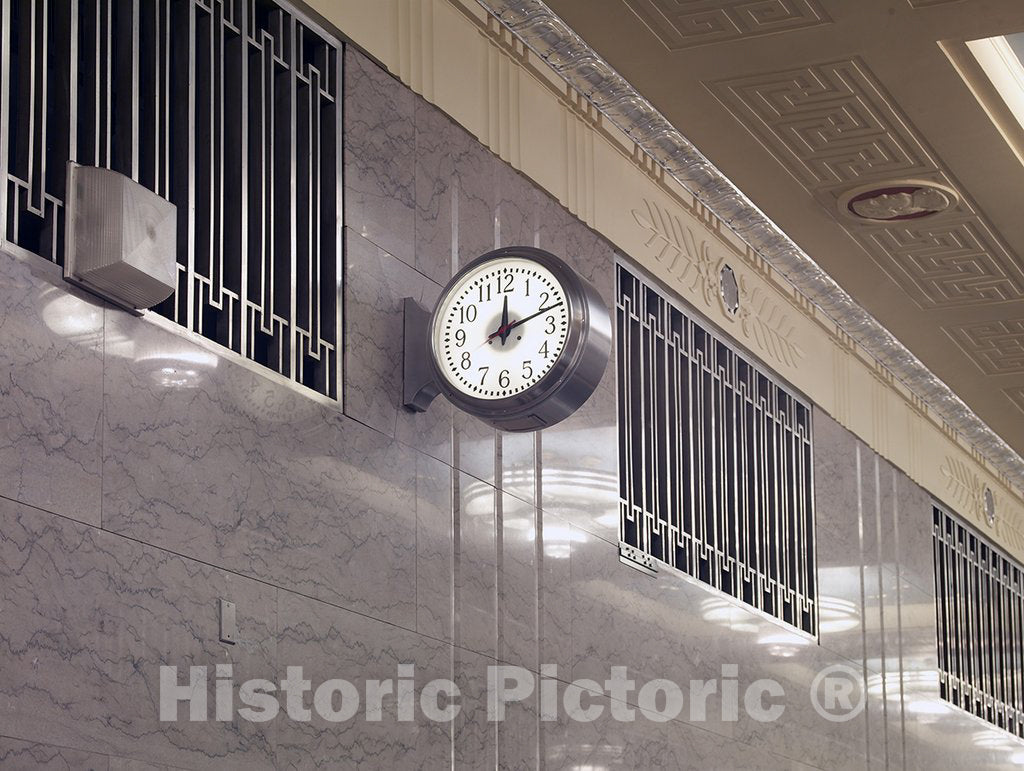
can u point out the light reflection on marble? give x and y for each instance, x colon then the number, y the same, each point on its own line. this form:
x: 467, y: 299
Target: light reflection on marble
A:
x: 50, y: 391
x: 251, y: 475
x: 579, y: 465
x: 517, y: 584
x: 476, y: 566
x: 434, y: 548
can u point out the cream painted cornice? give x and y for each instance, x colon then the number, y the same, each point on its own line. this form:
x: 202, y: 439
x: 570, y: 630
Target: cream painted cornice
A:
x: 516, y: 77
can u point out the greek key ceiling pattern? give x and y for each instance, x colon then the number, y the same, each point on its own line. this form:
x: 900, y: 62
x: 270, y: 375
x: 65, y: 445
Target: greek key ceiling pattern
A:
x: 997, y: 347
x: 1016, y: 395
x: 833, y: 127
x: 680, y: 24
x: 944, y: 263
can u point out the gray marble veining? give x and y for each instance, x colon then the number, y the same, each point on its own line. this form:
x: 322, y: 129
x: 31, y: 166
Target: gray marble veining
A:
x: 375, y: 286
x: 89, y: 617
x: 379, y: 157
x: 330, y: 643
x: 15, y: 753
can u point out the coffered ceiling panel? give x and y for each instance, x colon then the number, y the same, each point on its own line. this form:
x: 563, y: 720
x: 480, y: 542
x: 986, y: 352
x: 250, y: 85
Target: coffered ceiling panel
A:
x: 688, y: 23
x: 804, y: 103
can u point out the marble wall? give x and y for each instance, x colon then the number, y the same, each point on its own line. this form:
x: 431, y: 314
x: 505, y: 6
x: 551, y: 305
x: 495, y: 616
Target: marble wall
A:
x: 146, y: 474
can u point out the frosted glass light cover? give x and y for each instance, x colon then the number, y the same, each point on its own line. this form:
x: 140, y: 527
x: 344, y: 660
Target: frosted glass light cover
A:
x: 121, y: 240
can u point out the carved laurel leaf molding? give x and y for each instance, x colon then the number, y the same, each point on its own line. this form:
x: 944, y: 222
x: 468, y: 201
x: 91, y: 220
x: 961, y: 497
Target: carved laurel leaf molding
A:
x: 761, y: 321
x: 967, y: 493
x: 965, y: 487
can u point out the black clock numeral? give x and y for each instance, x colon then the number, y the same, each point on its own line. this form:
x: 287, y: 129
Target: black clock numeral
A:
x: 484, y: 296
x: 503, y: 380
x: 544, y: 349
x: 483, y: 377
x: 551, y: 324
x: 460, y: 337
x: 544, y: 297
x: 528, y: 367
x: 466, y: 362
x: 527, y: 287
x: 505, y: 283
x: 467, y: 313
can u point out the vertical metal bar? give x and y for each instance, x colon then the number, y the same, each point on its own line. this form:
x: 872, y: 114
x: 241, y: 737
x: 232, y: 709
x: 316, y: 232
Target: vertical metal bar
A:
x: 5, y: 116
x: 293, y: 84
x: 191, y: 245
x: 72, y: 92
x: 135, y: 90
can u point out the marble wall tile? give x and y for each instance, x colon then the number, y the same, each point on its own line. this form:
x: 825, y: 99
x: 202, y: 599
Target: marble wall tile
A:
x: 555, y: 593
x: 476, y: 566
x: 51, y: 391
x: 17, y: 754
x: 475, y: 446
x: 517, y: 583
x: 379, y: 156
x: 914, y: 507
x: 837, y: 525
x: 515, y: 208
x: 331, y: 643
x: 242, y: 472
x: 519, y: 465
x: 89, y: 618
x: 434, y: 548
x: 375, y: 286
x: 435, y: 168
x: 474, y: 200
x: 518, y: 738
x: 838, y: 538
x: 475, y: 738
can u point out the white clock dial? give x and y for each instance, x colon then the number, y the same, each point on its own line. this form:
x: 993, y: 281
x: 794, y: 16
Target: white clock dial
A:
x: 501, y: 328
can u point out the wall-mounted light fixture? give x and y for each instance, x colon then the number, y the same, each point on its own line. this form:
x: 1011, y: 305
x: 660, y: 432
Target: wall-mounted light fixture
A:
x: 121, y: 238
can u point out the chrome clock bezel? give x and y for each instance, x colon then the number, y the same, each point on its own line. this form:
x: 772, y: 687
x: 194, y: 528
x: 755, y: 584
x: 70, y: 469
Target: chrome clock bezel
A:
x: 572, y: 378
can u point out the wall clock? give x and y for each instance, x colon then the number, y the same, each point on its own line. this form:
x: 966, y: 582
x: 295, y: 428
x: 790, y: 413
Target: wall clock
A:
x: 517, y: 339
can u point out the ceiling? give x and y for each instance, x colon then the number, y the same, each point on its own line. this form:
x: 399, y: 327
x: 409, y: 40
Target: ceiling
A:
x: 799, y: 101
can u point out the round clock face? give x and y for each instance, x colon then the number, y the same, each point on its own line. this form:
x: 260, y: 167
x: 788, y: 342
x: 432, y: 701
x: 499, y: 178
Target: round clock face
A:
x: 501, y: 328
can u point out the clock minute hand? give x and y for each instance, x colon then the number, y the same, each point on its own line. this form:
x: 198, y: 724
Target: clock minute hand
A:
x: 505, y: 329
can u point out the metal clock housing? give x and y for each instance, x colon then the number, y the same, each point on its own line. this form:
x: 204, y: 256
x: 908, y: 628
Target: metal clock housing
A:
x: 569, y: 380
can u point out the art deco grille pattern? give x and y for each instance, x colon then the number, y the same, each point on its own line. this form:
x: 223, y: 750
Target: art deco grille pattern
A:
x: 980, y: 608
x: 715, y: 461
x: 228, y: 108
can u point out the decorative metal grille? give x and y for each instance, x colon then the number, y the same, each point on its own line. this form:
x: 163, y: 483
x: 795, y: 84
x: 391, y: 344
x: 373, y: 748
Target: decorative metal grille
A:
x: 980, y: 607
x: 715, y: 460
x: 228, y: 108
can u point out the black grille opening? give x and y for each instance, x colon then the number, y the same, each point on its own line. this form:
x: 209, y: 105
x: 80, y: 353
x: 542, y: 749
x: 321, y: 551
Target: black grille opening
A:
x: 715, y: 460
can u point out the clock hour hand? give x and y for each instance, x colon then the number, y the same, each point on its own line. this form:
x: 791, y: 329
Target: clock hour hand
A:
x: 504, y: 321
